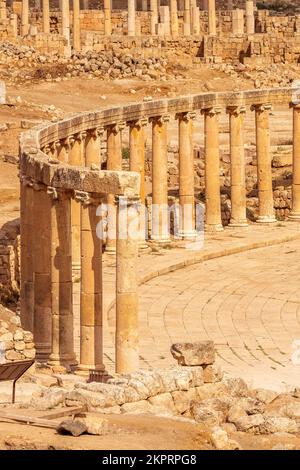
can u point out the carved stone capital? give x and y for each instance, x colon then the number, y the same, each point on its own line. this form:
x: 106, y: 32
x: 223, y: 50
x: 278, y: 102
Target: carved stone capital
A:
x: 52, y: 192
x: 236, y: 110
x: 139, y: 123
x: 96, y: 132
x: 186, y: 116
x: 261, y: 108
x: 163, y: 119
x: 83, y: 197
x: 117, y: 127
x: 212, y: 111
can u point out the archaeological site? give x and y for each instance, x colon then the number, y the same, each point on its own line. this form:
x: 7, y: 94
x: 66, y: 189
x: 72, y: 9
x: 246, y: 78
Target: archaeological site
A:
x: 150, y: 226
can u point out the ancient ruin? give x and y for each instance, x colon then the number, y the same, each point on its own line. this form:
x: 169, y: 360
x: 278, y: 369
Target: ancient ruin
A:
x: 150, y: 209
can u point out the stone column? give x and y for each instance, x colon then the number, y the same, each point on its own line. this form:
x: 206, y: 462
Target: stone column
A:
x: 25, y: 18
x: 137, y: 163
x: 61, y: 281
x: 91, y: 328
x: 127, y: 334
x: 14, y: 22
x: 46, y: 17
x: 42, y: 267
x: 213, y: 220
x: 160, y: 212
x: 238, y: 21
x: 153, y: 17
x: 107, y: 17
x: 76, y: 25
x: 187, y: 18
x: 63, y: 150
x: 27, y: 252
x: 295, y: 212
x: 131, y: 17
x: 211, y: 17
x: 93, y: 147
x: 174, y: 18
x: 76, y: 158
x: 65, y: 11
x: 250, y: 22
x: 237, y: 166
x: 114, y: 162
x: 144, y: 5
x: 264, y: 170
x: 196, y: 21
x: 186, y: 176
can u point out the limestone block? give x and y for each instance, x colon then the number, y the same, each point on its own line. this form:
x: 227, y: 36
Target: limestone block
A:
x: 183, y: 399
x: 164, y: 402
x: 274, y: 424
x: 250, y: 424
x: 194, y: 354
x: 212, y: 374
x: 139, y: 407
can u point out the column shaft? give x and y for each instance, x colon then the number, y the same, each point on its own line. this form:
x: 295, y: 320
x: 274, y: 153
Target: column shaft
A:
x: 46, y: 17
x: 264, y: 170
x: 27, y: 286
x: 153, y: 16
x: 25, y: 18
x: 127, y: 337
x: 187, y: 18
x: 295, y: 213
x: 91, y: 331
x: 137, y: 163
x: 237, y: 167
x: 160, y: 216
x: 93, y: 148
x: 42, y: 277
x: 186, y: 176
x: 250, y: 22
x: 174, y: 18
x: 114, y: 162
x: 213, y: 218
x: 131, y: 17
x: 107, y: 17
x: 76, y: 158
x: 61, y: 282
x: 76, y: 25
x: 65, y: 10
x: 212, y: 17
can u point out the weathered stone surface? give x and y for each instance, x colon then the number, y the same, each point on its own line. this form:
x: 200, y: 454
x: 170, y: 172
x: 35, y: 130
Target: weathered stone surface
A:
x: 212, y: 374
x: 112, y: 394
x: 235, y: 412
x: 206, y: 415
x: 265, y: 396
x: 164, y: 402
x: 194, y: 354
x: 274, y: 424
x: 95, y: 425
x: 250, y: 424
x: 74, y: 427
x: 138, y: 407
x: 251, y: 406
x: 182, y: 400
x: 52, y: 397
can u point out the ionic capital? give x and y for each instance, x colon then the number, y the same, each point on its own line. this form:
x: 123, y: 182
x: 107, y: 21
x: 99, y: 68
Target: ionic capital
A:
x: 186, y: 116
x: 117, y: 127
x: 84, y: 198
x: 235, y: 110
x: 79, y: 136
x: 261, y: 108
x: 26, y: 180
x: 138, y: 123
x: 96, y: 132
x: 126, y: 201
x: 52, y: 192
x: 295, y: 105
x: 212, y: 111
x: 164, y: 119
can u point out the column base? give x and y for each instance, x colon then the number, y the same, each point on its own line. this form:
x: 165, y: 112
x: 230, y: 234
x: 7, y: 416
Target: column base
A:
x: 188, y: 235
x: 84, y: 369
x: 294, y: 216
x: 143, y: 247
x: 160, y: 241
x: 266, y: 219
x: 63, y: 362
x: 213, y: 228
x: 237, y: 224
x: 110, y: 250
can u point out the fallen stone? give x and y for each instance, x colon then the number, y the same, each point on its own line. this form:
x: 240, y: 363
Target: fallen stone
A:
x: 250, y: 424
x: 194, y: 354
x: 206, y: 415
x: 212, y: 374
x: 274, y: 424
x: 74, y: 427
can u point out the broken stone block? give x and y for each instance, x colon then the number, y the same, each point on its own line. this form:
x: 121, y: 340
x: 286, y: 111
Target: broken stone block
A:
x: 74, y: 427
x: 194, y: 354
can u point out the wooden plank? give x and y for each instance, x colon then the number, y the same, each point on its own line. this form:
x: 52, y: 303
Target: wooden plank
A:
x: 32, y: 420
x: 60, y: 413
